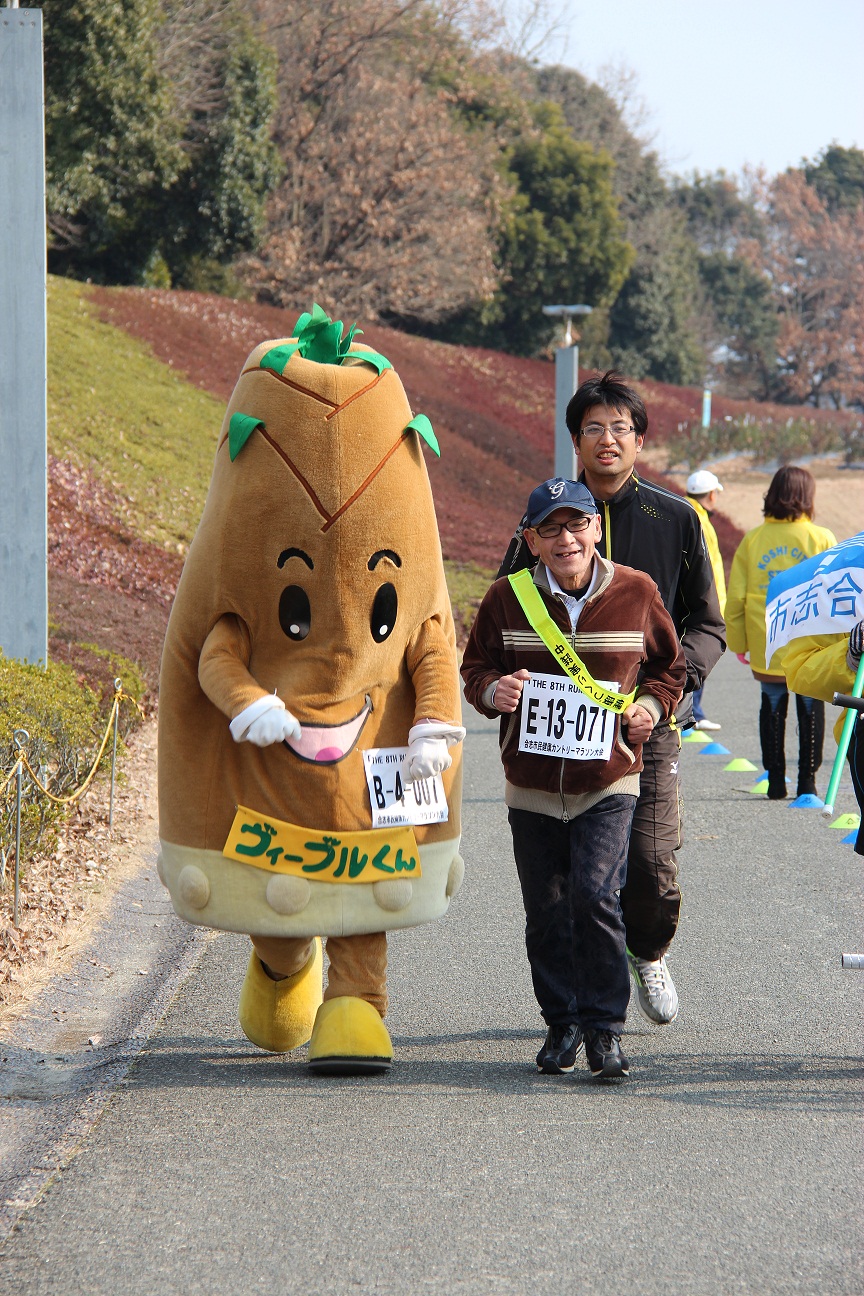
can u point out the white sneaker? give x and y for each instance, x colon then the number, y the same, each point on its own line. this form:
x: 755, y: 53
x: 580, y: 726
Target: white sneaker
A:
x: 657, y: 997
x: 707, y: 724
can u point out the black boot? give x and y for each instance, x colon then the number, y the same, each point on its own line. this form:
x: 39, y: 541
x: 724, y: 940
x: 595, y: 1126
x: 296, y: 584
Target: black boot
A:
x: 772, y: 732
x: 811, y: 735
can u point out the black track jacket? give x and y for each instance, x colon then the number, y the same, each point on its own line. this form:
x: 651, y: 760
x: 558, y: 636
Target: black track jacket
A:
x: 656, y: 531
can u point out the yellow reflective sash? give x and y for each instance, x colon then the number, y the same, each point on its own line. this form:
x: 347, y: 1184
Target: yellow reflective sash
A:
x: 540, y: 620
x: 371, y: 855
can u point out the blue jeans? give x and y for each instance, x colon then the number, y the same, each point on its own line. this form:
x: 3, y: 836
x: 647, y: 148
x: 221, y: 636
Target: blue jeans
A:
x: 571, y: 874
x: 698, y: 713
x: 775, y: 691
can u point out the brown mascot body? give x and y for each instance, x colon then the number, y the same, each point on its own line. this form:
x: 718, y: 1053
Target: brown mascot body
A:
x: 311, y: 624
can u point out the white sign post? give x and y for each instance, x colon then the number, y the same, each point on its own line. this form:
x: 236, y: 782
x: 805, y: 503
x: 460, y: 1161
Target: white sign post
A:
x: 23, y: 329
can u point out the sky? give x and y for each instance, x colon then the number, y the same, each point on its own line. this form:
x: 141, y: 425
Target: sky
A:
x: 729, y: 82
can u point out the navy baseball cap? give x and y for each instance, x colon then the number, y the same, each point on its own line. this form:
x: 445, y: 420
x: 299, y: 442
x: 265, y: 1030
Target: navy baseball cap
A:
x: 557, y: 493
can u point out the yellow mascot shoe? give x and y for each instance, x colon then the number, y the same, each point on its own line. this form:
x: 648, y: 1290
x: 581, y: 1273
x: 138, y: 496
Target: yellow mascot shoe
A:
x: 279, y: 1015
x: 349, y: 1039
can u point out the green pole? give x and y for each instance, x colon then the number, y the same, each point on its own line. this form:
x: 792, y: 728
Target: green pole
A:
x: 843, y: 745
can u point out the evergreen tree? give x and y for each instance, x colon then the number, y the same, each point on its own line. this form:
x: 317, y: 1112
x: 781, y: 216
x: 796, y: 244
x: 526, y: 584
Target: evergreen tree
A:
x: 654, y: 324
x: 560, y: 236
x: 747, y: 323
x: 837, y: 175
x: 112, y: 142
x: 563, y: 239
x: 159, y: 157
x: 741, y: 318
x: 215, y: 210
x: 655, y: 328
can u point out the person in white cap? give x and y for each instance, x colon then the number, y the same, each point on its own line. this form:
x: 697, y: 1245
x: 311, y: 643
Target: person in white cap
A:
x: 702, y: 491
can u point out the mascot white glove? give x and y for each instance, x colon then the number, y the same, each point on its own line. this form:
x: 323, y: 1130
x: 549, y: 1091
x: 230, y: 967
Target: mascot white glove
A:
x: 265, y: 722
x: 427, y: 749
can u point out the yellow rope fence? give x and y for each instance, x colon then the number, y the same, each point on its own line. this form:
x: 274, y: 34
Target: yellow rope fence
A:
x: 22, y: 763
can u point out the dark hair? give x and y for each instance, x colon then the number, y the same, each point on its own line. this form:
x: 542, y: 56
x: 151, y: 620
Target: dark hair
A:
x: 611, y: 391
x: 791, y: 493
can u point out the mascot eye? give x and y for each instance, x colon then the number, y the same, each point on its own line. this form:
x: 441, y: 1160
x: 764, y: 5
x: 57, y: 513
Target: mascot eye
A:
x: 295, y: 617
x: 383, y: 616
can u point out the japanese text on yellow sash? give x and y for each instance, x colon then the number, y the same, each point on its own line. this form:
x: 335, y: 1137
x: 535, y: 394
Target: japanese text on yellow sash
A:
x: 321, y: 856
x: 539, y: 619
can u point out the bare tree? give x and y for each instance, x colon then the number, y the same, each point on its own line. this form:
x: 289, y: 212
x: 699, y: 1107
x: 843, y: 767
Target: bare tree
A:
x: 531, y: 29
x: 387, y: 203
x: 621, y: 83
x: 189, y: 35
x: 814, y: 261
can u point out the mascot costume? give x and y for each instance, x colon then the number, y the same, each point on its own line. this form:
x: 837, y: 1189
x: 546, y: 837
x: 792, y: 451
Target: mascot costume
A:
x: 309, y: 709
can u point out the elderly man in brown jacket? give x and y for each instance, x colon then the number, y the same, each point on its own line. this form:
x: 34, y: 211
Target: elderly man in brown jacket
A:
x: 580, y: 661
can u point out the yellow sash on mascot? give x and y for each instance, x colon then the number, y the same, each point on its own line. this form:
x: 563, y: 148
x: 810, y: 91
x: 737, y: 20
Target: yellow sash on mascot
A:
x: 370, y: 855
x: 540, y: 620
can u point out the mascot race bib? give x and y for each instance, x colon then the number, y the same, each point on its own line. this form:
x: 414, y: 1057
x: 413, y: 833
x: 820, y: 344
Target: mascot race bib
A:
x: 394, y: 802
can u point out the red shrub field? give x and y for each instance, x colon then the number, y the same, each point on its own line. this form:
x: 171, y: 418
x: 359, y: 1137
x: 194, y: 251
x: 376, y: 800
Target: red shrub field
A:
x: 492, y: 413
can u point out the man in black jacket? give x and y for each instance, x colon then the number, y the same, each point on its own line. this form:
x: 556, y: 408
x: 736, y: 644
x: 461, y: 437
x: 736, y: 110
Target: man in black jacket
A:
x: 655, y: 531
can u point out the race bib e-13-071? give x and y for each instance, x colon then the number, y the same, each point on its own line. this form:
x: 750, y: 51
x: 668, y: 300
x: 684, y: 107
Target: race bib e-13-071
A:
x: 558, y: 719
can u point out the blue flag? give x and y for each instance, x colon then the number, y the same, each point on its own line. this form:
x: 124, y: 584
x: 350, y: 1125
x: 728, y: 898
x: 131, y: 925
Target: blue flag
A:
x: 822, y: 595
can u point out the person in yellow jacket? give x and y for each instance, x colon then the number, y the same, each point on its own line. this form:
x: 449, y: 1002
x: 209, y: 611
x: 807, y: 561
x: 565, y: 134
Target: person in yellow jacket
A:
x: 786, y: 537
x: 702, y: 490
x: 822, y: 665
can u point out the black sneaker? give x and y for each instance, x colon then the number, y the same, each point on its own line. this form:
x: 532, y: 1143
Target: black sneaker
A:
x: 561, y: 1049
x: 603, y: 1055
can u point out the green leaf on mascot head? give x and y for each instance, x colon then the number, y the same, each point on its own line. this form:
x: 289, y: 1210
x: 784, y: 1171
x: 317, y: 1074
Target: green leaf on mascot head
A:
x: 324, y: 345
x: 277, y: 358
x: 318, y: 338
x: 240, y: 429
x: 374, y: 358
x: 423, y: 428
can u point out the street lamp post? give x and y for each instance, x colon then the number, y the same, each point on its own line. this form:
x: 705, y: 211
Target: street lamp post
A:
x: 706, y: 407
x: 566, y: 382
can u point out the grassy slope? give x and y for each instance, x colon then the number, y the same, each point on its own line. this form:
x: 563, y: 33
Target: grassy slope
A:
x: 116, y: 410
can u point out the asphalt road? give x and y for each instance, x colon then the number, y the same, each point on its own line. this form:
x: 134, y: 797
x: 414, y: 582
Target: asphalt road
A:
x: 730, y: 1162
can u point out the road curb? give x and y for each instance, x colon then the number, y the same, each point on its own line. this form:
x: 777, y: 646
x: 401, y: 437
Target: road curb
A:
x: 53, y: 1107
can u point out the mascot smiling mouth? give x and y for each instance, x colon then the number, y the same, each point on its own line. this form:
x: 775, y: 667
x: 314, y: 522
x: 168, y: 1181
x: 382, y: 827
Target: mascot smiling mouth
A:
x: 328, y: 744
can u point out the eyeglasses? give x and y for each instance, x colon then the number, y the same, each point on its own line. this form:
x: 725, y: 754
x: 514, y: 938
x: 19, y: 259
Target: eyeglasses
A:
x: 549, y: 530
x: 619, y: 430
